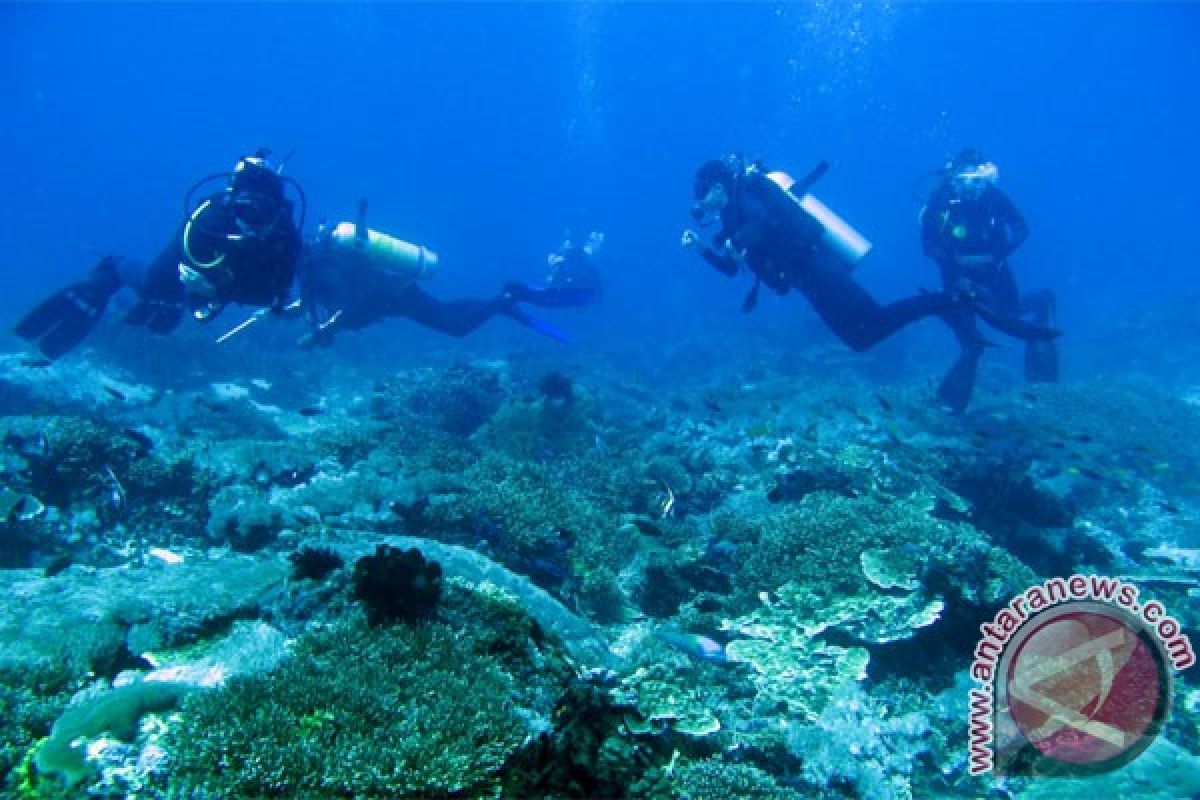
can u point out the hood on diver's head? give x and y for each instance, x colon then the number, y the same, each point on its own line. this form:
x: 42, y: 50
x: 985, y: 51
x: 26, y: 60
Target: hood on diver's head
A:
x: 255, y: 173
x: 718, y: 170
x: 256, y: 189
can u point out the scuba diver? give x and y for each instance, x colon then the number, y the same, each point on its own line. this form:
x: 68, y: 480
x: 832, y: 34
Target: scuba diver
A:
x: 772, y: 226
x: 574, y: 276
x: 353, y: 276
x: 238, y: 245
x: 572, y: 280
x: 970, y: 228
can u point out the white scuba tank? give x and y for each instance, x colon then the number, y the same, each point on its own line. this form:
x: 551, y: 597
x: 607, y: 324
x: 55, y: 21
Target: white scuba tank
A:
x: 850, y: 245
x: 386, y: 252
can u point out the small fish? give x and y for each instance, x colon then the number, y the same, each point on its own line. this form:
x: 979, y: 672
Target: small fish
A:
x: 311, y: 411
x: 1170, y: 508
x: 57, y: 565
x: 164, y: 555
x: 116, y: 493
x: 1086, y: 438
x: 145, y: 443
x: 1029, y: 397
x: 883, y: 403
x: 696, y: 645
x: 261, y: 475
x: 212, y: 405
x: 116, y: 393
x: 27, y: 508
x: 667, y: 507
x: 36, y: 362
x: 712, y: 405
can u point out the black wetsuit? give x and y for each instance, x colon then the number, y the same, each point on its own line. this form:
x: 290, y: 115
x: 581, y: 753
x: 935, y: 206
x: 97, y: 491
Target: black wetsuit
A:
x: 578, y: 275
x: 363, y: 293
x: 971, y: 239
x: 783, y: 248
x: 256, y: 268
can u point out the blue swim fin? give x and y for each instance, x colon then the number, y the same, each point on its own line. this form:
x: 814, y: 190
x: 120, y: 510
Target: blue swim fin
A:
x: 539, y: 325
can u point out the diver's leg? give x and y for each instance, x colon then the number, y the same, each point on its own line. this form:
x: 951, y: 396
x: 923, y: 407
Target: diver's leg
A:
x: 453, y: 317
x: 557, y: 296
x: 162, y: 299
x: 959, y: 383
x: 850, y: 311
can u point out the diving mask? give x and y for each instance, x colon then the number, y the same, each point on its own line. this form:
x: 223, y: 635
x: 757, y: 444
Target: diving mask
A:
x: 972, y: 180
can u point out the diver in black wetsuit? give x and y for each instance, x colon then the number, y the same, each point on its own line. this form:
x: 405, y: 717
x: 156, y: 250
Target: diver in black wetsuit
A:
x: 238, y: 245
x: 970, y: 228
x: 573, y: 272
x: 765, y: 230
x: 352, y: 277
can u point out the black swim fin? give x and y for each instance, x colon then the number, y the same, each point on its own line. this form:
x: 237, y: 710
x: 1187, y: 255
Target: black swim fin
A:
x: 1015, y: 326
x: 1041, y: 362
x: 63, y: 320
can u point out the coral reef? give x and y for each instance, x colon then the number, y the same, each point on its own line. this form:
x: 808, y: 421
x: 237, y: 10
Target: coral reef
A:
x: 357, y: 711
x: 314, y: 562
x: 740, y: 580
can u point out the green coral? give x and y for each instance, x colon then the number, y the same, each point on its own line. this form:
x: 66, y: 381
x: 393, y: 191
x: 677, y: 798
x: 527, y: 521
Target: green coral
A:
x: 845, y: 546
x: 355, y: 711
x: 30, y: 700
x: 795, y: 666
x: 530, y: 428
x: 667, y: 699
x: 532, y: 504
x: 116, y: 711
x: 717, y: 779
x: 891, y: 569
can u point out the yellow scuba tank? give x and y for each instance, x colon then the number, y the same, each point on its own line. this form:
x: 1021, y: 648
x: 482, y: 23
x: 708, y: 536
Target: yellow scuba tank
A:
x: 849, y: 244
x: 385, y: 252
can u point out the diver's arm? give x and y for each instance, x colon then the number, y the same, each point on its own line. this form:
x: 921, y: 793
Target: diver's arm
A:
x: 932, y: 239
x: 722, y: 259
x: 1015, y: 228
x: 758, y: 207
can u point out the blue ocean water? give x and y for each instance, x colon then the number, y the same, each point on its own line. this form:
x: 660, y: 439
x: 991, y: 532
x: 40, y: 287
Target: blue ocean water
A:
x: 659, y: 485
x: 488, y: 129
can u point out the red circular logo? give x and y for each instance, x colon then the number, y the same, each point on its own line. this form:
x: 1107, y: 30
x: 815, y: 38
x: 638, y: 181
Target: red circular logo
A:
x: 1087, y: 687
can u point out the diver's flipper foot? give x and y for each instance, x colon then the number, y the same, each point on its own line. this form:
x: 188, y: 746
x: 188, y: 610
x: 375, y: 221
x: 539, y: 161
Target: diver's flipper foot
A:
x: 63, y: 320
x: 549, y: 296
x: 1041, y: 362
x: 539, y: 325
x: 1014, y: 326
